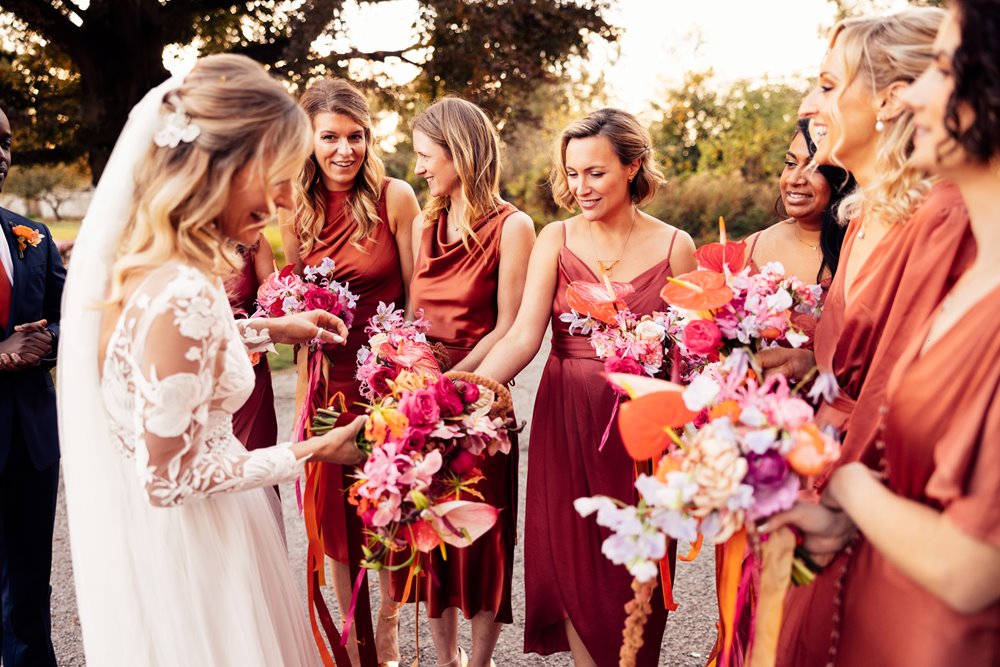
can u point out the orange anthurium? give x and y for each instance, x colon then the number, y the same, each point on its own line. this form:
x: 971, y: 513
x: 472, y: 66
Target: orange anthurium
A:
x: 811, y: 452
x: 644, y: 422
x: 715, y: 256
x: 596, y: 300
x: 635, y: 386
x: 697, y: 290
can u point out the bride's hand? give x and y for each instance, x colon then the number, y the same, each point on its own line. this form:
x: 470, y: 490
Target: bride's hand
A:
x: 336, y: 445
x: 304, y: 327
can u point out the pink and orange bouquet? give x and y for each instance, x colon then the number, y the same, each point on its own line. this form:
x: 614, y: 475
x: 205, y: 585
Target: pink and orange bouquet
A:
x: 395, y: 344
x: 626, y: 342
x: 427, y: 437
x: 722, y: 306
x: 747, y: 462
x: 285, y: 293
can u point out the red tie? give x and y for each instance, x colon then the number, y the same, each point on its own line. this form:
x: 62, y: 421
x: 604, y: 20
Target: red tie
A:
x: 5, y: 296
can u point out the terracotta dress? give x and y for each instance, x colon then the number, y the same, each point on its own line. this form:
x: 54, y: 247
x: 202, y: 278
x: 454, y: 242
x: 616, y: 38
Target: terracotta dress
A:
x: 373, y: 274
x: 255, y: 424
x: 565, y: 574
x: 457, y: 289
x: 942, y: 449
x: 860, y: 338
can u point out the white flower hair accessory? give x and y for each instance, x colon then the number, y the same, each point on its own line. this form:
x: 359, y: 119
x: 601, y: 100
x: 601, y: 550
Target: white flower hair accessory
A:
x: 176, y: 127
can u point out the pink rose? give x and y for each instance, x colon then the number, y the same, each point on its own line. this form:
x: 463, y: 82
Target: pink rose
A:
x: 448, y: 398
x: 317, y: 298
x: 702, y: 337
x: 421, y: 409
x: 623, y: 365
x: 469, y: 391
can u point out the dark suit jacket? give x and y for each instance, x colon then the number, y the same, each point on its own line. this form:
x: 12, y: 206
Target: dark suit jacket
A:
x: 29, y: 394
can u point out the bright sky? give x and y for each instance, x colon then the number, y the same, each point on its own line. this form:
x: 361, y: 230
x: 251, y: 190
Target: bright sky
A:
x: 661, y: 40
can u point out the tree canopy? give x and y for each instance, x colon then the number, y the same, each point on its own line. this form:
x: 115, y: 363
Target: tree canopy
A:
x: 70, y: 71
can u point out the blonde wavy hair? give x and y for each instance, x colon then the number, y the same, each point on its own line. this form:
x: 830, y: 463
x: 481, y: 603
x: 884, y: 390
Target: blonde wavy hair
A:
x: 474, y: 146
x: 879, y: 51
x: 630, y: 141
x: 247, y: 120
x: 340, y: 97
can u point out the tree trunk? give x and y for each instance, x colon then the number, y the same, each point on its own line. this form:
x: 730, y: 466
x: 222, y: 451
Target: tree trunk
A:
x: 123, y: 60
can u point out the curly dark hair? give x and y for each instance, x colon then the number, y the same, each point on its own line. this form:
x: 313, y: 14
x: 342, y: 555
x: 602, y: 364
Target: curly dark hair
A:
x: 831, y: 232
x: 977, y: 79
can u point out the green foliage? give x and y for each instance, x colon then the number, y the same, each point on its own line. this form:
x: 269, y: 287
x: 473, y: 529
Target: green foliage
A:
x: 694, y: 203
x: 109, y: 52
x: 52, y: 184
x: 745, y: 128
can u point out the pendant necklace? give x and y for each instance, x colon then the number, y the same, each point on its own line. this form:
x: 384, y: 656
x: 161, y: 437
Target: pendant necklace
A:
x: 607, y: 266
x: 798, y: 237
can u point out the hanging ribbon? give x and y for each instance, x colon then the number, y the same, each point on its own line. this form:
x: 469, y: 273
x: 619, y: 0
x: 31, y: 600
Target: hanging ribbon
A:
x: 729, y: 583
x: 777, y: 554
x: 611, y: 421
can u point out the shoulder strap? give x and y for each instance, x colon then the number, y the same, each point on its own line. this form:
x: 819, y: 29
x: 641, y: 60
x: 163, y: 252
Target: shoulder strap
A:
x: 753, y: 244
x: 562, y: 223
x: 670, y: 250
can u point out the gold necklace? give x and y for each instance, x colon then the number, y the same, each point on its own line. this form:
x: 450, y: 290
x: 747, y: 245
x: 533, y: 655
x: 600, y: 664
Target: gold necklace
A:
x: 798, y: 237
x: 607, y: 267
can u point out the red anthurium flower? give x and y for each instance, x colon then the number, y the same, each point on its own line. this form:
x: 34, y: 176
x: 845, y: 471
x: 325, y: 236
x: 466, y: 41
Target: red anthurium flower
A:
x: 596, y: 301
x: 697, y: 290
x: 715, y: 256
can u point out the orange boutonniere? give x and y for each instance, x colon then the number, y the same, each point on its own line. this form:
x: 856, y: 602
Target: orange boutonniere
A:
x: 26, y: 236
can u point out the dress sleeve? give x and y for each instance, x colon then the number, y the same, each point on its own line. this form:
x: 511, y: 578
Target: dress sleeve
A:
x: 186, y: 446
x: 255, y: 335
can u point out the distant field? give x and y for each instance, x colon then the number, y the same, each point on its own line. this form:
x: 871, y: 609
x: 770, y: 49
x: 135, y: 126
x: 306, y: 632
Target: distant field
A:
x: 66, y: 230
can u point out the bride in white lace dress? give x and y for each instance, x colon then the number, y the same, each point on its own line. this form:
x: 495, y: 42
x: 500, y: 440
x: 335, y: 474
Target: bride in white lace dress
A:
x: 178, y: 558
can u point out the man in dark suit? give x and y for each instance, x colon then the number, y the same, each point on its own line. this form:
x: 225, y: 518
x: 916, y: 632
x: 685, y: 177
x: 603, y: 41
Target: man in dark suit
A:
x: 31, y: 283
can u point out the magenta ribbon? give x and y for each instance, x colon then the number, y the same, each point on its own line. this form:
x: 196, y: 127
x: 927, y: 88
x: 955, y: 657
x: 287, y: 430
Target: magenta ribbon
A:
x: 360, y: 579
x: 301, y: 429
x: 607, y: 429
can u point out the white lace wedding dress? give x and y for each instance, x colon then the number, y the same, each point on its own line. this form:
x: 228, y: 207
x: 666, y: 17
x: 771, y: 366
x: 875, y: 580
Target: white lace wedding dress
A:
x: 210, y: 579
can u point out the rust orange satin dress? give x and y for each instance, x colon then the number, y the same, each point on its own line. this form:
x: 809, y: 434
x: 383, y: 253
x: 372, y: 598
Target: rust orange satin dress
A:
x: 255, y: 424
x: 457, y: 289
x: 942, y: 449
x: 565, y: 574
x: 373, y: 274
x: 860, y: 338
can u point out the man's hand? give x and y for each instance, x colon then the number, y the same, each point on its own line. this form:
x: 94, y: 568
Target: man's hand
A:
x: 26, y: 347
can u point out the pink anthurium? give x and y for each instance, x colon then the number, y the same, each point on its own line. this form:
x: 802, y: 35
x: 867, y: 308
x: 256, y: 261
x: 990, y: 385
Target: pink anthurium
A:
x: 461, y: 522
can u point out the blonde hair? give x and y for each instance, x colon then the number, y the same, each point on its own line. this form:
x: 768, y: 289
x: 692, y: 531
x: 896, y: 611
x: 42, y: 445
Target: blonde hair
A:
x: 630, y: 141
x: 340, y: 97
x: 474, y: 146
x: 247, y: 119
x: 879, y: 51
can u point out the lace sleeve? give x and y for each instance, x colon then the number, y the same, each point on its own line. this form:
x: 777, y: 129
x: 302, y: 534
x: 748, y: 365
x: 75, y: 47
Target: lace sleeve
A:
x: 186, y: 372
x: 255, y: 335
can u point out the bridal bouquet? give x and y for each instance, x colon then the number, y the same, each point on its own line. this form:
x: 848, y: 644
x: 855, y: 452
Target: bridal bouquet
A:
x: 427, y: 436
x: 285, y: 293
x: 746, y: 463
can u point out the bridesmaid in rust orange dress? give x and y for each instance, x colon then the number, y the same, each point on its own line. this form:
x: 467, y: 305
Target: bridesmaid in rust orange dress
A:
x: 351, y: 213
x: 470, y: 257
x: 907, y: 241
x: 255, y: 424
x: 923, y: 587
x: 574, y: 596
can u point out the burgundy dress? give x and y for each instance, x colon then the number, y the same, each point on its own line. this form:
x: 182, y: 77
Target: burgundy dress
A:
x: 565, y: 574
x: 860, y: 338
x: 942, y: 449
x: 255, y: 424
x: 457, y: 289
x: 373, y: 274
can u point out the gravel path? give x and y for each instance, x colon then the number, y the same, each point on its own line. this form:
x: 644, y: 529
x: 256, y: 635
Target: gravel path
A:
x: 690, y: 630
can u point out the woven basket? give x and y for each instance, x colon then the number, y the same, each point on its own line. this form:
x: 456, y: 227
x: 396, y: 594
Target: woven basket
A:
x: 503, y: 405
